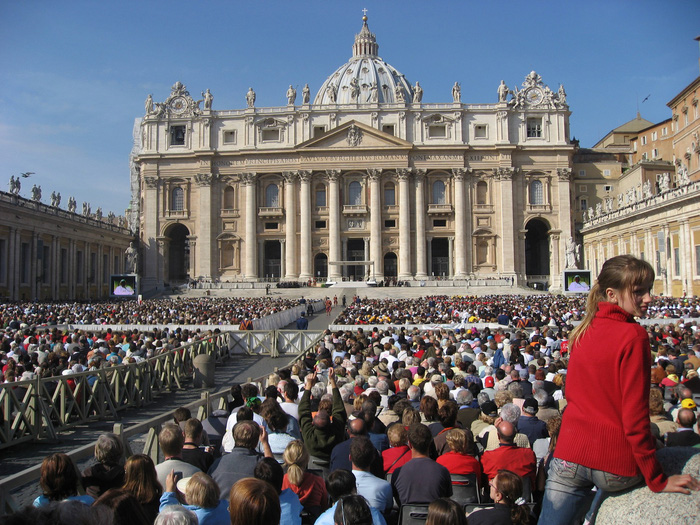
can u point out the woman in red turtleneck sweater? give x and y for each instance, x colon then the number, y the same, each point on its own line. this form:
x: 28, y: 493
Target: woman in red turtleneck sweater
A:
x: 605, y: 438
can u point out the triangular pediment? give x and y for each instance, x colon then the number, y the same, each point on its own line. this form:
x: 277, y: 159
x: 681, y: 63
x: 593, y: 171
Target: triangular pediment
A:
x: 355, y: 135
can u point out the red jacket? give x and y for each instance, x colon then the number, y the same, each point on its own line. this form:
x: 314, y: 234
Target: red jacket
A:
x: 606, y: 422
x: 521, y: 461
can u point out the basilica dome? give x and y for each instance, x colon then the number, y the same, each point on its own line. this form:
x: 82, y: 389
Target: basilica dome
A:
x: 366, y: 78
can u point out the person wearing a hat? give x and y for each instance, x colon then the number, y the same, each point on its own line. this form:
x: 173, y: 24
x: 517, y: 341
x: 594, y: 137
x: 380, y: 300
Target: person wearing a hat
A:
x: 529, y: 424
x: 489, y: 383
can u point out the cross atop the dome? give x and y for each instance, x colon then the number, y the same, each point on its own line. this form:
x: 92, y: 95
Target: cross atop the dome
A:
x: 364, y: 12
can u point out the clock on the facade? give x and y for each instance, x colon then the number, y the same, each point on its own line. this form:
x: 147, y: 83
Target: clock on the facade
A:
x: 178, y: 105
x: 534, y: 96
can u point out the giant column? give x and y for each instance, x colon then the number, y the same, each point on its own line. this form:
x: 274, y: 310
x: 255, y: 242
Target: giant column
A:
x: 460, y: 233
x: 508, y: 255
x: 375, y: 225
x: 564, y: 216
x: 333, y: 224
x: 203, y: 182
x: 306, y: 270
x: 404, y: 175
x: 419, y: 181
x: 251, y: 221
x: 153, y: 265
x: 290, y: 225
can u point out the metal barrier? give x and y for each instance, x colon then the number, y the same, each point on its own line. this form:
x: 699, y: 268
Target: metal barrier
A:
x: 152, y: 427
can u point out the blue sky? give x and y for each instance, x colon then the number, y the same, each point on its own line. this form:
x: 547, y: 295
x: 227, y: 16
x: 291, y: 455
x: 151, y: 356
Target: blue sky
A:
x: 75, y: 74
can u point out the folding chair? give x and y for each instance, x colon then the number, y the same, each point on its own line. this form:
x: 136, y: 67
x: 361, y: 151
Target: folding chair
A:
x: 465, y: 489
x: 415, y: 514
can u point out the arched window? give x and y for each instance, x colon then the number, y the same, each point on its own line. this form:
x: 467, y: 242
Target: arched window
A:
x: 272, y: 194
x: 536, y: 192
x: 355, y: 193
x: 481, y: 192
x: 229, y: 202
x: 389, y: 194
x: 320, y: 196
x: 178, y: 199
x: 438, y: 192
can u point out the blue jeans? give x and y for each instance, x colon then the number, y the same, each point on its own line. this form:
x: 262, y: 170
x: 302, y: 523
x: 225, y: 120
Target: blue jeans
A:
x: 568, y: 494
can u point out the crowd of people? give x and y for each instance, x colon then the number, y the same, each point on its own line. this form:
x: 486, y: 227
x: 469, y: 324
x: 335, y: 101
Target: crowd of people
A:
x: 181, y: 311
x: 515, y: 310
x: 372, y: 420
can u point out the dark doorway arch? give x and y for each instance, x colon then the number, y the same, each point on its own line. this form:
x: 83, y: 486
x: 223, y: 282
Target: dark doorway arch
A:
x: 356, y: 252
x: 391, y: 267
x: 178, y: 253
x: 321, y: 266
x: 272, y: 264
x: 537, y: 247
x: 440, y: 257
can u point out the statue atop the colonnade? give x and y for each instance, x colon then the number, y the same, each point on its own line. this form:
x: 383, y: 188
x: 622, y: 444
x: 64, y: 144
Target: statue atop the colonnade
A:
x: 503, y: 91
x: 291, y: 95
x: 305, y: 94
x: 208, y: 99
x: 36, y: 193
x: 250, y: 98
x: 457, y: 92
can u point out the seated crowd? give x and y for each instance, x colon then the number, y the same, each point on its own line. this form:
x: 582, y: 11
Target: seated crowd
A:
x: 371, y: 421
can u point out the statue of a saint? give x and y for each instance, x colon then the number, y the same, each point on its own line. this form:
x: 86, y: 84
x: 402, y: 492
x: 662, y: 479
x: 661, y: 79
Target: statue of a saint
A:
x: 149, y: 105
x: 570, y: 253
x: 208, y: 99
x: 646, y: 189
x: 398, y: 92
x: 132, y: 257
x: 98, y: 214
x: 561, y: 95
x: 373, y: 92
x: 502, y: 91
x: 332, y: 93
x: 354, y: 89
x: 417, y: 93
x: 598, y: 209
x: 15, y: 185
x: 53, y: 198
x: 36, y: 193
x: 58, y: 199
x: 291, y: 95
x: 250, y: 98
x: 664, y: 182
x: 305, y: 94
x: 111, y: 217
x: 457, y: 93
x: 12, y: 183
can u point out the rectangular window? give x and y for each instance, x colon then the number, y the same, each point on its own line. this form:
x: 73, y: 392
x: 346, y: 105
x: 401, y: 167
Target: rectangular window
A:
x: 634, y: 146
x: 390, y: 223
x: 79, y: 267
x: 177, y: 135
x: 230, y: 137
x: 644, y: 140
x: 320, y: 197
x: 676, y: 262
x: 654, y: 153
x: 654, y: 135
x: 437, y: 132
x: 45, y: 266
x: 583, y: 188
x: 440, y: 223
x: 24, y: 263
x: 581, y: 173
x: 319, y: 130
x: 606, y: 173
x: 320, y: 225
x: 3, y: 261
x: 388, y: 128
x: 584, y: 204
x: 64, y: 266
x: 480, y: 131
x: 272, y: 225
x: 270, y: 135
x: 534, y: 128
x: 664, y: 131
x: 607, y: 188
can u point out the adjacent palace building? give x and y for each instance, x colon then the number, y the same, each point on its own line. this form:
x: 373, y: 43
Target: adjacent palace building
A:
x: 363, y: 172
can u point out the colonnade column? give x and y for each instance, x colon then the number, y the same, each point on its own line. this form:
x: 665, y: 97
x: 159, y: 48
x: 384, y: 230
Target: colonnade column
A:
x: 686, y: 244
x: 12, y: 270
x: 375, y: 224
x: 34, y: 266
x: 290, y: 228
x: 306, y: 270
x: 154, y: 263
x: 333, y: 224
x: 429, y: 242
x: 450, y: 258
x: 460, y: 234
x: 404, y: 224
x: 203, y: 182
x: 554, y: 264
x: 251, y: 221
x: 419, y: 181
x: 283, y: 257
x: 507, y: 255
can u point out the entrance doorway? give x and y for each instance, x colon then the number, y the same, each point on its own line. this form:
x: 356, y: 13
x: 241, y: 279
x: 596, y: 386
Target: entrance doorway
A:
x: 537, y: 248
x: 321, y: 266
x: 178, y: 253
x: 272, y: 260
x: 391, y: 267
x: 440, y: 262
x: 356, y: 252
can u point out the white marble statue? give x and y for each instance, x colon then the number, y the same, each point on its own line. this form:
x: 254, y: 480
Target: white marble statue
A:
x: 149, y: 104
x: 417, y: 93
x: 570, y: 253
x: 354, y: 88
x: 72, y: 204
x: 598, y: 209
x: 291, y: 95
x: 456, y: 92
x: 399, y: 93
x: 250, y: 98
x: 332, y: 93
x: 132, y: 257
x: 208, y: 99
x: 683, y: 177
x: 36, y: 193
x: 646, y: 189
x: 608, y: 204
x: 502, y: 91
x: 98, y: 214
x: 620, y: 200
x: 373, y: 92
x: 664, y: 182
x: 305, y: 94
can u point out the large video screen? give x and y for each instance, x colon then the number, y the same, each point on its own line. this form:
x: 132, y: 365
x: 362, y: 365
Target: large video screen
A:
x: 123, y: 286
x: 577, y: 281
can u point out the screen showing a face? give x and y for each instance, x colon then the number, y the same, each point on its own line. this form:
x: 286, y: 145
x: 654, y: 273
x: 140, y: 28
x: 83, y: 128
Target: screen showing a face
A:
x: 123, y: 286
x: 577, y: 281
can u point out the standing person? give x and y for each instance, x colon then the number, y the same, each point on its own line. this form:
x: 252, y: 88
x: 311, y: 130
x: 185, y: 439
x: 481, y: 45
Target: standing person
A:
x: 302, y: 322
x: 329, y: 306
x: 605, y: 428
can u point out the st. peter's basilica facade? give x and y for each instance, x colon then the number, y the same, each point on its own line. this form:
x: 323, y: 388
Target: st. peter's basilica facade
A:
x: 363, y: 172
